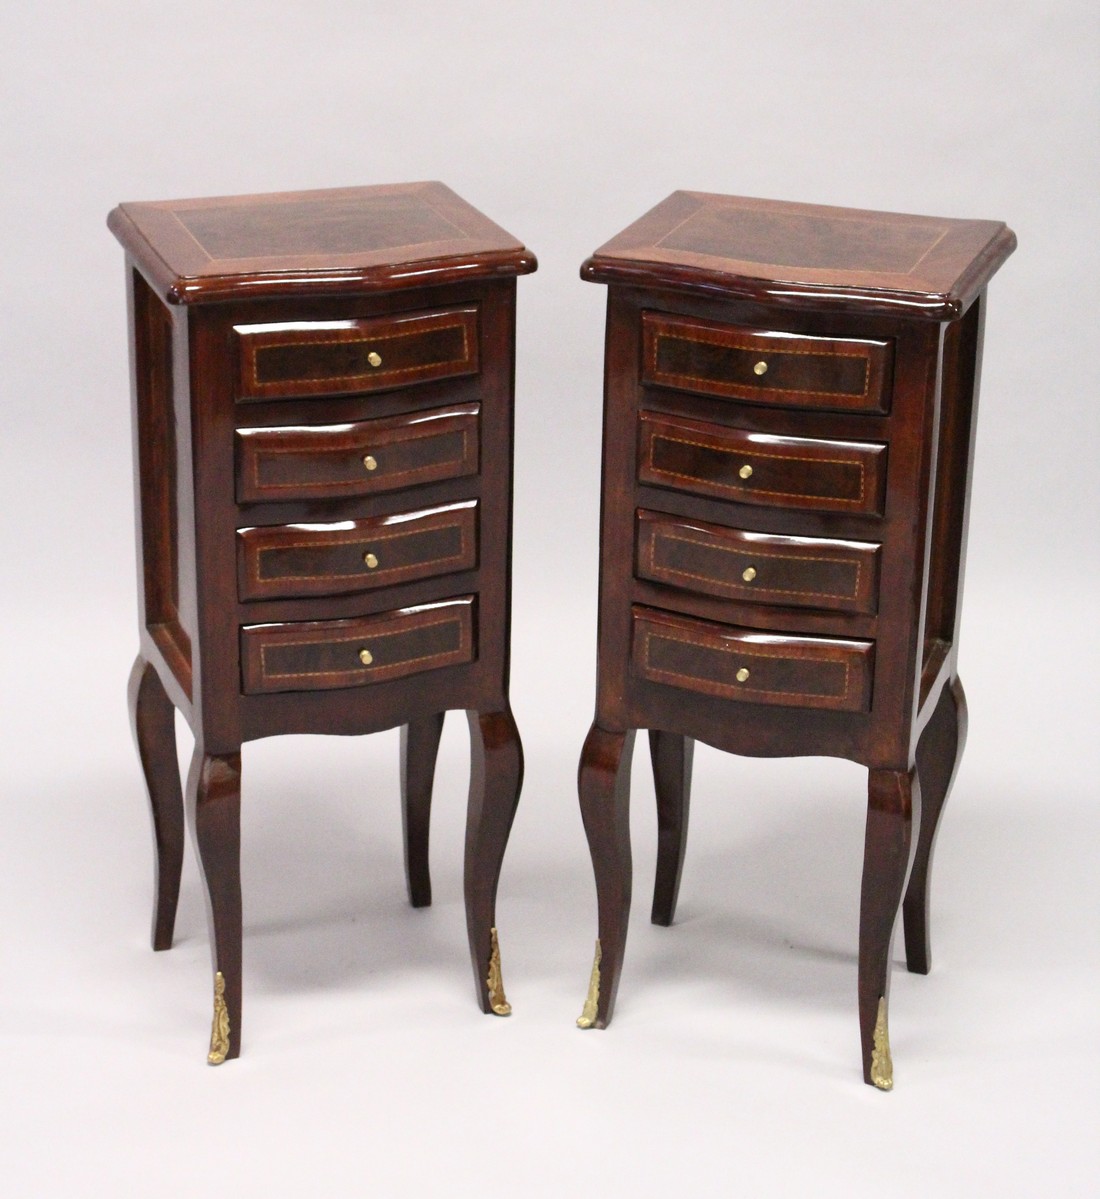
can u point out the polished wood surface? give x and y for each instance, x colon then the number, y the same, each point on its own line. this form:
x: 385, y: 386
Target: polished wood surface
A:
x: 671, y: 757
x: 939, y: 752
x: 321, y: 358
x: 893, y: 803
x: 310, y: 654
x: 214, y: 802
x: 342, y: 240
x: 789, y: 406
x: 763, y: 568
x: 154, y: 726
x: 765, y: 367
x: 313, y: 462
x: 496, y: 777
x: 739, y: 664
x: 358, y: 555
x: 323, y: 404
x: 604, y: 785
x: 789, y: 472
x: 419, y: 750
x: 801, y: 255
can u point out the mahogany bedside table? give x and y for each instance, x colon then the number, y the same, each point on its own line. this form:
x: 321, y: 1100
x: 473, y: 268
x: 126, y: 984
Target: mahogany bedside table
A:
x: 323, y: 400
x: 790, y: 396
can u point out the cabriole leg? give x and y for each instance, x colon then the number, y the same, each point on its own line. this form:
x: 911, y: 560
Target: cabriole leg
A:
x: 419, y: 749
x: 604, y: 785
x: 496, y: 776
x: 938, y: 755
x: 152, y: 718
x: 214, y: 796
x: 672, y: 756
x: 893, y: 797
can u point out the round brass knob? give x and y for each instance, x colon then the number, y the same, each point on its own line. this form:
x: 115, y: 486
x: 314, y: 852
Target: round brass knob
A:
x: 366, y: 657
x: 374, y: 358
x: 370, y: 462
x: 749, y: 573
x: 745, y: 472
x: 370, y: 560
x: 761, y: 368
x: 742, y: 674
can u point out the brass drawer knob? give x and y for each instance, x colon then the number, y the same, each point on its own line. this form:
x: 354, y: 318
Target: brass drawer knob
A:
x: 761, y: 368
x: 365, y: 656
x: 371, y: 560
x: 374, y: 358
x: 370, y: 462
x: 749, y: 573
x: 745, y: 472
x: 742, y: 675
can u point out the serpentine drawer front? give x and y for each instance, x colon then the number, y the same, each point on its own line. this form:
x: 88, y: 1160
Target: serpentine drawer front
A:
x: 313, y: 462
x: 357, y: 555
x: 751, y: 667
x: 354, y: 653
x: 323, y: 403
x: 789, y: 400
x: 765, y: 367
x: 803, y: 572
x: 319, y: 358
x: 761, y: 468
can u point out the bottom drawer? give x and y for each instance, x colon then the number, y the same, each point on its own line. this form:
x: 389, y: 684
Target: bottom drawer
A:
x: 757, y: 668
x: 320, y: 654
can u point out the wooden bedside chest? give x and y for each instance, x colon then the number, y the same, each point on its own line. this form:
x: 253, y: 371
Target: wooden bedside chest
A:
x: 323, y: 400
x: 790, y: 397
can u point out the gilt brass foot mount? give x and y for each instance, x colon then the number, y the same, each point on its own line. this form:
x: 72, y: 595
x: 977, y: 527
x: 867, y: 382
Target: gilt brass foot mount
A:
x: 219, y: 1031
x: 587, y: 1018
x: 882, y: 1065
x: 495, y: 982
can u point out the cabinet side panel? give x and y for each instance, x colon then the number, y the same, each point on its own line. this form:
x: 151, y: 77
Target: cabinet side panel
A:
x: 157, y: 468
x: 962, y: 349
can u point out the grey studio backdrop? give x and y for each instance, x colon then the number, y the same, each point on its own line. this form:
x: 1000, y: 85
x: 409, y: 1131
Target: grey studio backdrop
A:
x: 733, y: 1064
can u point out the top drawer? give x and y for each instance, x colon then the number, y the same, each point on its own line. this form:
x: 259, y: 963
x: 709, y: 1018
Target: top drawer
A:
x: 766, y: 368
x: 322, y: 358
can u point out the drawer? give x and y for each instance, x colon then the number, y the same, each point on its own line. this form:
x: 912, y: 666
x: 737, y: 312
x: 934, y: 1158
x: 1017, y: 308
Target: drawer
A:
x: 756, y: 668
x: 283, y: 561
x: 308, y: 462
x: 324, y: 358
x: 761, y: 367
x: 322, y: 654
x: 802, y: 572
x: 761, y: 468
